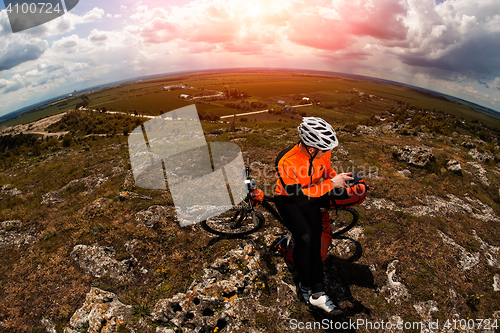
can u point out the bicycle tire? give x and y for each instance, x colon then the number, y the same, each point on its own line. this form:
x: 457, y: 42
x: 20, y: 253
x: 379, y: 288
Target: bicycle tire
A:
x: 343, y: 220
x: 234, y: 223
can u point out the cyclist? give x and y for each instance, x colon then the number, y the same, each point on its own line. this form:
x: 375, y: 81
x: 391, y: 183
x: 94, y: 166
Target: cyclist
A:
x: 305, y: 177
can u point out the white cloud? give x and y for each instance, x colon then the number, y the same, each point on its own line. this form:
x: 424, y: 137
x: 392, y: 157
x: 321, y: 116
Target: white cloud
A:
x: 232, y: 26
x: 97, y: 37
x: 33, y: 72
x: 4, y: 24
x: 94, y: 14
x: 69, y: 45
x: 13, y: 84
x: 496, y: 83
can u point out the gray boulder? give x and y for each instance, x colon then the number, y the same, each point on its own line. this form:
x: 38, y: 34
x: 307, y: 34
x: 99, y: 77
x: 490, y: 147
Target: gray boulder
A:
x: 468, y: 145
x: 100, y: 261
x: 415, y: 156
x: 483, y: 157
x: 231, y: 292
x: 101, y: 312
x: 454, y: 166
x: 12, y: 234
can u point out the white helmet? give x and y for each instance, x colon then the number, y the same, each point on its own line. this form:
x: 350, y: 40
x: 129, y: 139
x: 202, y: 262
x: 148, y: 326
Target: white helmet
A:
x: 317, y: 133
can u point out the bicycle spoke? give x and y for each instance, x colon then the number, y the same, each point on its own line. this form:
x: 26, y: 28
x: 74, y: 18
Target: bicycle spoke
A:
x: 234, y: 223
x: 343, y: 220
x: 343, y: 247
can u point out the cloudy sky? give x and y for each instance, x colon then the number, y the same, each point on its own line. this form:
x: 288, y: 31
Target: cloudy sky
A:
x: 449, y: 46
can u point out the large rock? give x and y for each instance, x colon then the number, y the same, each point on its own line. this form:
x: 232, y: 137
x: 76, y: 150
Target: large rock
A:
x: 100, y: 261
x: 102, y: 312
x: 477, y: 155
x: 88, y: 184
x: 467, y: 259
x: 468, y: 145
x: 153, y: 215
x: 481, y: 173
x: 454, y: 166
x: 8, y: 189
x: 416, y: 156
x: 231, y: 292
x: 368, y: 131
x: 97, y: 206
x: 11, y: 234
x: 435, y: 206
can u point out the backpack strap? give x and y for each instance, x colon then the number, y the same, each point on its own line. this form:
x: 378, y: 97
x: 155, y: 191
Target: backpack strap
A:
x: 287, y: 188
x: 294, y: 191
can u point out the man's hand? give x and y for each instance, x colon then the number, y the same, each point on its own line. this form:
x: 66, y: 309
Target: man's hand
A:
x: 340, y: 180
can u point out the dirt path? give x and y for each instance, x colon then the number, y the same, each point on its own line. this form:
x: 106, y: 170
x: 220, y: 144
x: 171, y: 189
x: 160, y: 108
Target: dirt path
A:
x: 37, y: 127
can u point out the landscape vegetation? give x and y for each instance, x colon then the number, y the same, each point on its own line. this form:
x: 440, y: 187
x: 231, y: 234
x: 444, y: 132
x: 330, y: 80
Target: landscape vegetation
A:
x: 73, y: 219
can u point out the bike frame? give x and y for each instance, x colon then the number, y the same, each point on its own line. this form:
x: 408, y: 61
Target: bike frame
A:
x: 235, y: 223
x: 251, y: 184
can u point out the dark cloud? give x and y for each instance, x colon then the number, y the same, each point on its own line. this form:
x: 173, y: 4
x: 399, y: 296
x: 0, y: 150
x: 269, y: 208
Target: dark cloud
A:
x: 13, y: 87
x: 483, y: 83
x: 479, y: 54
x: 19, y: 51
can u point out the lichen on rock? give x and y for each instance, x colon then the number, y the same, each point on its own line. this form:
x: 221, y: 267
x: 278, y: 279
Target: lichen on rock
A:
x: 11, y: 234
x: 228, y: 295
x: 100, y: 261
x: 101, y: 312
x: 415, y: 156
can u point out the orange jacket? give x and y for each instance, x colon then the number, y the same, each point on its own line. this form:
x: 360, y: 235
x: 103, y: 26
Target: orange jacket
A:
x: 293, y: 167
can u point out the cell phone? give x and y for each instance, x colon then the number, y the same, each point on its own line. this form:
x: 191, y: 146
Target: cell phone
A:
x: 357, y: 178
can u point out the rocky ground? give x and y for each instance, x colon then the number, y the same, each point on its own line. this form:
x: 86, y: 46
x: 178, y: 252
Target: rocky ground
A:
x: 84, y: 250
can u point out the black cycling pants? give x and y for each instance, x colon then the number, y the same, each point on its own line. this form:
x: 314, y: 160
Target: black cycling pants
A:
x: 304, y: 222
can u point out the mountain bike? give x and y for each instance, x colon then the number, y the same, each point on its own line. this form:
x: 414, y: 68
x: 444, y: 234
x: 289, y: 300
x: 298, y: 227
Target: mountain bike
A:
x: 244, y: 219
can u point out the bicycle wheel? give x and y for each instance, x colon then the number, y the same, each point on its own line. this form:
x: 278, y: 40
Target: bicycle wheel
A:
x: 234, y: 223
x: 343, y: 247
x: 343, y: 220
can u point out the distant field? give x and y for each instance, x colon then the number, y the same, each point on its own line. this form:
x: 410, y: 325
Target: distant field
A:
x: 150, y: 103
x: 343, y: 99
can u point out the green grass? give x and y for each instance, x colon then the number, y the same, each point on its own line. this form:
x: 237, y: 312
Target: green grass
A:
x: 266, y: 86
x: 150, y: 104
